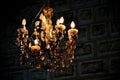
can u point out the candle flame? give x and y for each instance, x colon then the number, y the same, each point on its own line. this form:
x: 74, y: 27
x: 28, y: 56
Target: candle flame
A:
x: 24, y: 22
x: 72, y: 24
x: 48, y: 46
x: 61, y: 20
x: 36, y: 41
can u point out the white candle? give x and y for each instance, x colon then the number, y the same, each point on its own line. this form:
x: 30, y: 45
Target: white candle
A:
x: 24, y: 23
x: 24, y: 30
x: 59, y: 24
x: 36, y: 46
x: 72, y: 31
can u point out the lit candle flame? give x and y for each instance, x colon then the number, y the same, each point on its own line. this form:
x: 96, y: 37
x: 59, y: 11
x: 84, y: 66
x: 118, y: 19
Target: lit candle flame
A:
x: 48, y: 46
x: 24, y: 22
x: 61, y: 20
x: 36, y: 41
x: 72, y: 24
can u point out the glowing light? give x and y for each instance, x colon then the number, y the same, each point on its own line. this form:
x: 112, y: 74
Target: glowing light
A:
x: 72, y: 24
x: 61, y: 20
x: 24, y: 22
x: 36, y: 41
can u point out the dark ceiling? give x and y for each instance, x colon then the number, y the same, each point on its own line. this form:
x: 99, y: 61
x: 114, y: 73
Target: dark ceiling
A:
x: 11, y: 9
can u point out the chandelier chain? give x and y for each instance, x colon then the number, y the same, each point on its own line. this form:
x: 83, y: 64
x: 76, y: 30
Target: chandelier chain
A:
x: 38, y: 14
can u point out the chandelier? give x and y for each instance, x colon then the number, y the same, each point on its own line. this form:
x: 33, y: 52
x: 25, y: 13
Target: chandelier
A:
x: 48, y: 47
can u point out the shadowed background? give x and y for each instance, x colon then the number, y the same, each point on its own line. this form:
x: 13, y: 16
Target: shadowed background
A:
x: 97, y: 56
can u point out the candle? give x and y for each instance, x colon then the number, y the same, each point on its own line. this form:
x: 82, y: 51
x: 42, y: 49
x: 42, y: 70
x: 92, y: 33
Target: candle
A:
x: 61, y: 21
x: 48, y: 46
x: 35, y: 32
x: 36, y: 46
x: 59, y: 24
x: 24, y: 30
x: 72, y: 31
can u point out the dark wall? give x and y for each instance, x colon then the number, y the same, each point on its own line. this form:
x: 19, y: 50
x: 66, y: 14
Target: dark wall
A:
x: 97, y: 56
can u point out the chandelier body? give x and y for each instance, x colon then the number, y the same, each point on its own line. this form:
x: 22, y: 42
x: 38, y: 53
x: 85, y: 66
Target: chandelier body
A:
x: 46, y: 48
